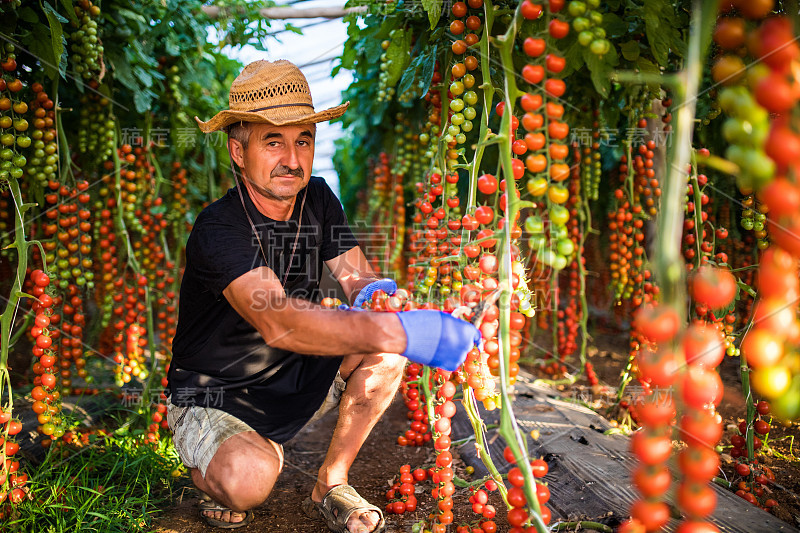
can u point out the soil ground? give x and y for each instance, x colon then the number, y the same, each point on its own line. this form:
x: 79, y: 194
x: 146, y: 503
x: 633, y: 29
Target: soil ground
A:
x: 381, y: 458
x: 372, y: 475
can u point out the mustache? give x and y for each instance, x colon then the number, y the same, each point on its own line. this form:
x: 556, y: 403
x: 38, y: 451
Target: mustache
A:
x: 282, y: 170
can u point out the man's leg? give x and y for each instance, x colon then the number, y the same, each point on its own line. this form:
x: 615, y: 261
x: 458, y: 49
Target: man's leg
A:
x: 241, y: 474
x: 372, y: 382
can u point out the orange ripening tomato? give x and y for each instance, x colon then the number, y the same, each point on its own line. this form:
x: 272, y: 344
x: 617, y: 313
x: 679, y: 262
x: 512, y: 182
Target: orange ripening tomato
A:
x: 554, y: 63
x: 559, y: 171
x: 554, y: 111
x: 536, y: 163
x: 533, y: 74
x: 531, y: 102
x: 535, y: 141
x: 555, y: 88
x: 558, y: 130
x: 714, y: 287
x: 532, y: 121
x: 558, y: 151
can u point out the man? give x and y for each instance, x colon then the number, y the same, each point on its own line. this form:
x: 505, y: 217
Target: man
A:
x: 254, y: 356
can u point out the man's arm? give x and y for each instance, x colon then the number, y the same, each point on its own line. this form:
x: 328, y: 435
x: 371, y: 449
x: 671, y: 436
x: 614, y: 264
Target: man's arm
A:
x: 352, y: 270
x: 304, y: 327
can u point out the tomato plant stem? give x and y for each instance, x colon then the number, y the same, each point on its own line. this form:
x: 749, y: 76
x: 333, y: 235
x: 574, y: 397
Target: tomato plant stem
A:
x: 478, y: 427
x: 509, y: 428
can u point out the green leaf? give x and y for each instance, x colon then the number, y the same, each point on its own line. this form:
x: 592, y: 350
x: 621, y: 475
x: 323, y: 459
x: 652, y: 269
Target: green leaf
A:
x: 28, y: 15
x: 398, y: 55
x: 648, y: 67
x: 630, y: 50
x: 600, y: 68
x: 56, y: 40
x: 143, y: 75
x: 122, y: 71
x: 434, y: 10
x: 171, y: 45
x: 142, y: 99
x: 130, y: 14
x: 70, y: 10
x: 614, y: 25
x: 574, y: 58
x: 412, y: 76
x: 658, y: 15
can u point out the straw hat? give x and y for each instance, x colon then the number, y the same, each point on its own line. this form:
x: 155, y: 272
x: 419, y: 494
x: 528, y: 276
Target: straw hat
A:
x: 270, y: 93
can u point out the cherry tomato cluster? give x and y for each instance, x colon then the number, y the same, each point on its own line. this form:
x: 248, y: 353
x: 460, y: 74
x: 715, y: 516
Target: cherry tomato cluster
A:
x: 755, y: 476
x: 652, y: 444
x: 481, y: 506
x: 591, y: 166
x: 570, y: 312
x: 87, y: 50
x: 106, y: 252
x: 129, y: 333
x: 768, y: 345
x: 12, y: 481
x: 401, y: 496
x: 462, y: 97
x: 387, y: 213
x: 96, y: 134
x: 419, y: 431
x: 545, y: 143
x: 43, y: 162
x: 13, y: 124
x: 754, y: 219
x: 587, y: 22
x: 647, y: 185
x: 519, y: 507
x: 442, y: 475
x: 46, y: 392
x: 68, y: 220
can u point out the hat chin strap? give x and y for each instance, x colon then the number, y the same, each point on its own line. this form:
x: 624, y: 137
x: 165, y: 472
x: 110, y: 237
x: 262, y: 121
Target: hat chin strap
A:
x: 239, y: 186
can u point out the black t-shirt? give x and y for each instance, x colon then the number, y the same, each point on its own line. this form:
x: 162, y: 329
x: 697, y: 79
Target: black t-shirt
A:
x: 219, y: 359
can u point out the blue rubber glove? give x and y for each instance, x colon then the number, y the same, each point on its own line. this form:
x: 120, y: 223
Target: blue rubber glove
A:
x: 437, y: 339
x: 386, y: 285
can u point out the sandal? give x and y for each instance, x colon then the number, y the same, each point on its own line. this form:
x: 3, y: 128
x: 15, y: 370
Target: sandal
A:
x: 207, y: 504
x: 338, y: 505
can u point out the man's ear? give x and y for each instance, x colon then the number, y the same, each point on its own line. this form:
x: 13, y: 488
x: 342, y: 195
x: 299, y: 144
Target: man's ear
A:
x: 236, y: 151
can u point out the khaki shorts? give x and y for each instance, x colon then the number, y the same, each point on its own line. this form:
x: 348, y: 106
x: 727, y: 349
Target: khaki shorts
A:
x: 198, y: 432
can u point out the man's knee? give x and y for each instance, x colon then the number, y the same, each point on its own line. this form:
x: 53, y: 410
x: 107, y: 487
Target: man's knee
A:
x: 244, y: 473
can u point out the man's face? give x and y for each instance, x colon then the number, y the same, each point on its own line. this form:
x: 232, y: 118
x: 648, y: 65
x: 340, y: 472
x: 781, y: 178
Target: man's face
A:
x: 278, y: 159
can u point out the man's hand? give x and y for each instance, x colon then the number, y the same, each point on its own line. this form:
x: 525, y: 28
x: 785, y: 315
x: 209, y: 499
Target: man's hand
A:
x: 435, y: 338
x: 386, y: 285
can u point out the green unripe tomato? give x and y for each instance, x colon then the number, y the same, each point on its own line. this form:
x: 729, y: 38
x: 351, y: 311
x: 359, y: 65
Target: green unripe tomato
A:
x: 565, y: 247
x: 600, y: 47
x: 576, y: 8
x: 581, y: 24
x: 585, y: 38
x: 470, y: 98
x: 534, y: 225
x: 470, y: 113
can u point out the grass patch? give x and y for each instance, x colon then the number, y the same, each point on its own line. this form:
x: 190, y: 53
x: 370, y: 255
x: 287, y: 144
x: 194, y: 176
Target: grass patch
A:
x: 113, y: 483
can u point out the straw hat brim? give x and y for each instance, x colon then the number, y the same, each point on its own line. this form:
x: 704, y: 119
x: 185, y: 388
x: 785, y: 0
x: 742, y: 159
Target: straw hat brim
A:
x: 225, y: 118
